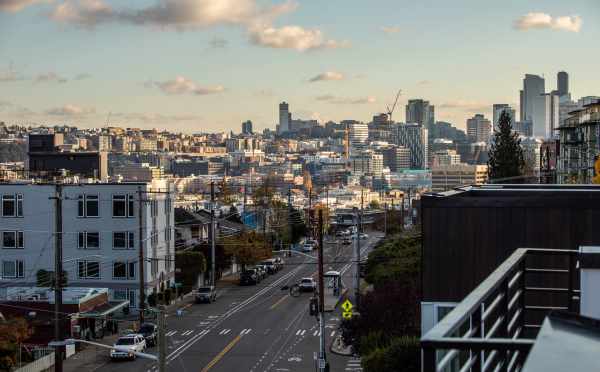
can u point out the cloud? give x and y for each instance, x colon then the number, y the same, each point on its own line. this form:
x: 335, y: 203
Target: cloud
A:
x: 546, y: 21
x: 82, y: 76
x: 293, y: 37
x: 327, y: 76
x: 154, y: 117
x: 470, y: 106
x: 345, y: 100
x: 390, y: 29
x: 182, y: 15
x: 50, y: 77
x: 70, y: 110
x: 13, y: 6
x: 181, y: 85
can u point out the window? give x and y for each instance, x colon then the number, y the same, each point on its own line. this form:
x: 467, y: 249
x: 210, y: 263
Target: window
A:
x: 19, y: 205
x: 88, y: 240
x: 88, y: 269
x: 124, y: 295
x: 123, y: 240
x: 9, y: 207
x: 123, y: 206
x: 13, y: 269
x: 87, y: 206
x: 123, y: 270
x: 12, y: 239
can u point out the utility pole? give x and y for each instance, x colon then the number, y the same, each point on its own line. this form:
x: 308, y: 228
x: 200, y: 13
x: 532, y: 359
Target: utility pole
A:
x: 289, y: 195
x: 162, y: 340
x: 385, y: 219
x: 213, y: 278
x: 322, y: 357
x: 358, y: 222
x: 58, y: 277
x: 310, y: 226
x: 141, y: 262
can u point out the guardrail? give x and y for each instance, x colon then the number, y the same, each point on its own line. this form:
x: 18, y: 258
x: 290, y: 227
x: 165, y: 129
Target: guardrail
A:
x: 494, y: 327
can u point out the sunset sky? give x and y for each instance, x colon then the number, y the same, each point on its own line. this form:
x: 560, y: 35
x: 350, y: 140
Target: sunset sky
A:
x: 208, y: 65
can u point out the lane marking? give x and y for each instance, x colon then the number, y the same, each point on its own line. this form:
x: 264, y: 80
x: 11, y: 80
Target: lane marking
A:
x: 222, y: 353
x: 279, y: 302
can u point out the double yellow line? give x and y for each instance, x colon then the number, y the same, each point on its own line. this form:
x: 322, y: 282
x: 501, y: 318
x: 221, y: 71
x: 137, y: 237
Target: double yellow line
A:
x: 278, y: 302
x: 222, y: 353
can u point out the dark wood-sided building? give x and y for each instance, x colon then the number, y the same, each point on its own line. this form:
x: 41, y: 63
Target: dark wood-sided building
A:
x: 469, y: 232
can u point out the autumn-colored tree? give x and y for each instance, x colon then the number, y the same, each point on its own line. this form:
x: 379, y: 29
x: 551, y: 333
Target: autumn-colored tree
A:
x: 247, y: 248
x: 189, y: 266
x: 13, y: 332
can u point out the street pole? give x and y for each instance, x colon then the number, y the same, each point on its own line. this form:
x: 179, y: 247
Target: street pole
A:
x: 357, y: 221
x: 289, y: 195
x: 58, y: 277
x: 385, y: 220
x: 141, y: 262
x: 213, y: 278
x: 162, y: 340
x: 322, y: 358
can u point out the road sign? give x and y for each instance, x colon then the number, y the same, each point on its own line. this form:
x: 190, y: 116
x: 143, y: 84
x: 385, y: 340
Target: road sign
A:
x: 347, y: 306
x: 347, y: 314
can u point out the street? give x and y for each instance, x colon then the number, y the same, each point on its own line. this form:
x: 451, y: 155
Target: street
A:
x: 256, y: 328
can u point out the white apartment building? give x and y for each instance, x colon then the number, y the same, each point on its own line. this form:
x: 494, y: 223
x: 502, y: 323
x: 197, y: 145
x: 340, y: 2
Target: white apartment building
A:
x: 367, y: 162
x: 101, y: 235
x: 444, y: 178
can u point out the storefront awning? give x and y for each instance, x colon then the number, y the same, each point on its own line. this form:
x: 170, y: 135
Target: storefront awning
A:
x: 104, y: 309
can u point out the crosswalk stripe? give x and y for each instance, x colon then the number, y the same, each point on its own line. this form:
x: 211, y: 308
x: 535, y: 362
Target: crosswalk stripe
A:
x: 170, y: 333
x: 188, y: 332
x: 246, y: 331
x: 332, y: 334
x: 298, y: 333
x: 303, y: 332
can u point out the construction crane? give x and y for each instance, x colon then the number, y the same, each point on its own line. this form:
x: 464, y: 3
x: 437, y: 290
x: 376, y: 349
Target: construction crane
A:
x: 391, y: 111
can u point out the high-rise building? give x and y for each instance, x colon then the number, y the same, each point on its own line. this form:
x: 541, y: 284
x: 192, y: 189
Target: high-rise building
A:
x: 421, y: 112
x: 367, y: 162
x: 359, y: 134
x: 445, y: 157
x: 479, y: 129
x: 414, y: 137
x: 247, y: 127
x: 497, y: 110
x: 562, y: 83
x: 285, y: 117
x: 545, y: 115
x: 533, y: 87
x: 396, y: 158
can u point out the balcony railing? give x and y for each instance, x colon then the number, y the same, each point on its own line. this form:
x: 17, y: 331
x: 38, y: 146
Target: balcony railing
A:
x: 494, y: 327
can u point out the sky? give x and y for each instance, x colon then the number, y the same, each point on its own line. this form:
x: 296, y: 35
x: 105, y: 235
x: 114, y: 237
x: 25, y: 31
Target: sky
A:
x: 208, y: 65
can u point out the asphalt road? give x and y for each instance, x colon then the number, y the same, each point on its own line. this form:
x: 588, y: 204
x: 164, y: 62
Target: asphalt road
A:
x: 256, y: 328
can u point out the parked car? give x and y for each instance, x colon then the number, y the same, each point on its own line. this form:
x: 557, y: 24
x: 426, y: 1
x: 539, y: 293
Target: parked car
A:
x: 264, y: 269
x: 270, y: 266
x: 249, y: 277
x: 307, y: 285
x: 126, y: 346
x: 364, y: 236
x: 206, y: 294
x: 279, y: 263
x: 346, y: 241
x: 149, y: 331
x: 260, y: 271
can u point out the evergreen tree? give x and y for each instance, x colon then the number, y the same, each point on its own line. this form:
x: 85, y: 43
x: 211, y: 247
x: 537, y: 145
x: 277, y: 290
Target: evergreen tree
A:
x: 506, y: 155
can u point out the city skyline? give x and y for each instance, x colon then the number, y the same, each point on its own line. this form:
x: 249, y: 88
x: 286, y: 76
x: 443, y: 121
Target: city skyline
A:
x: 218, y: 63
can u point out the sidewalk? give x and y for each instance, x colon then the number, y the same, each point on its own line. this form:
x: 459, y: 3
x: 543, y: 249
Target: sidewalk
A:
x: 338, y: 347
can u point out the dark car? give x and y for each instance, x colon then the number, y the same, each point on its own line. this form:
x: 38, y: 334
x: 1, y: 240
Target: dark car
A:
x: 149, y: 331
x: 270, y: 266
x: 249, y: 277
x: 206, y: 294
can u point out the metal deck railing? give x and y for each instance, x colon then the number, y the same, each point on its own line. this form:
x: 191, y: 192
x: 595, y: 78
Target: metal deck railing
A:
x: 494, y: 327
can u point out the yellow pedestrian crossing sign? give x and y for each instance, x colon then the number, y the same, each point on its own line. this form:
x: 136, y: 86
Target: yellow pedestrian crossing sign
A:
x: 347, y: 306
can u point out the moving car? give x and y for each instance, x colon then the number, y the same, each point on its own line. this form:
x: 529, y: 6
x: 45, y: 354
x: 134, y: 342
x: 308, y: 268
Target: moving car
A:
x: 307, y: 285
x: 149, y: 331
x: 309, y: 245
x: 206, y: 294
x: 249, y: 277
x: 127, y: 346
